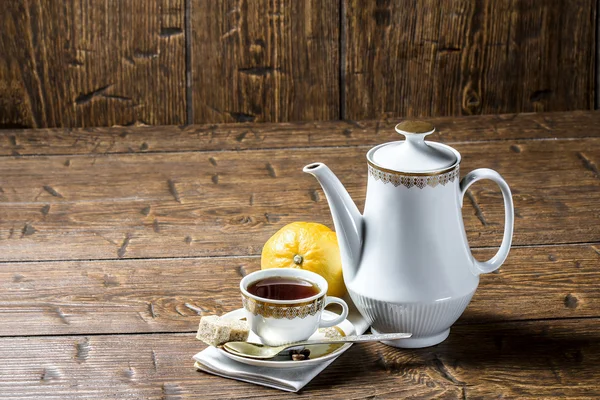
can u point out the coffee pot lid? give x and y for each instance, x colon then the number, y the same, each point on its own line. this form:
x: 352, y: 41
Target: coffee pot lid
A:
x: 414, y: 154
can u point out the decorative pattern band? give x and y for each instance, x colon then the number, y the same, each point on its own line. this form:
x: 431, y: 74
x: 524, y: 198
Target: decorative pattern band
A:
x: 280, y: 311
x: 397, y: 179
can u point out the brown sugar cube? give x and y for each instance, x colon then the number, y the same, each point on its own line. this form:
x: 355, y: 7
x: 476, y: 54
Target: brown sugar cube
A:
x: 215, y: 331
x: 212, y: 332
x: 239, y: 330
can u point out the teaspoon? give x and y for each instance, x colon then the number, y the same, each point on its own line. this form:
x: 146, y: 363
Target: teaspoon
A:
x: 262, y: 351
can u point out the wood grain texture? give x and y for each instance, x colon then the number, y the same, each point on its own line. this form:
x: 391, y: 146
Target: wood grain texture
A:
x: 257, y: 61
x: 91, y: 63
x: 525, y: 360
x: 145, y: 243
x: 222, y: 203
x: 249, y: 136
x: 462, y: 57
x: 132, y: 296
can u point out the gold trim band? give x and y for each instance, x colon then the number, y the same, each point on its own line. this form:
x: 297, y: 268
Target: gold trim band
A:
x: 418, y: 180
x: 391, y: 171
x: 280, y: 311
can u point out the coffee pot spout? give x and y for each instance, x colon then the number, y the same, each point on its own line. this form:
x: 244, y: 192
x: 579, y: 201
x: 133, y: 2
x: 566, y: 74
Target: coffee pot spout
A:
x: 347, y: 219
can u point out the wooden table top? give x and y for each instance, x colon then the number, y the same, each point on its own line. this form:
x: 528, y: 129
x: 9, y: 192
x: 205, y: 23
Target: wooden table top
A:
x: 113, y: 241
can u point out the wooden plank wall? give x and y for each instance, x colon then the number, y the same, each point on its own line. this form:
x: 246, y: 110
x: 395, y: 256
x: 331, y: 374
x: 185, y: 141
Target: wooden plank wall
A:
x: 265, y: 61
x: 172, y: 62
x: 91, y: 63
x: 462, y: 57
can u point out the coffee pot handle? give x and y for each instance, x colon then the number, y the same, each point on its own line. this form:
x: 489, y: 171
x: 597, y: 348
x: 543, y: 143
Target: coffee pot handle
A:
x: 509, y: 215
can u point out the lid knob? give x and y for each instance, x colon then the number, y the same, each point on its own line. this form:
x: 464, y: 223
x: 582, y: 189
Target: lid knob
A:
x: 415, y: 131
x: 413, y: 155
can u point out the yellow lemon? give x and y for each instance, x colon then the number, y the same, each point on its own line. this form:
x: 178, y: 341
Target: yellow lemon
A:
x: 309, y: 246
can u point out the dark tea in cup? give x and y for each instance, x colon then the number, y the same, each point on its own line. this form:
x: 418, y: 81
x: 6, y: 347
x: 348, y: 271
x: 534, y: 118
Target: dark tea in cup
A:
x: 283, y: 288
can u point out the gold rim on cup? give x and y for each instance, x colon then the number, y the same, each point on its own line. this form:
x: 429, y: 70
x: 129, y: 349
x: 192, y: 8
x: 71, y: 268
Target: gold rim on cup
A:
x: 281, y: 311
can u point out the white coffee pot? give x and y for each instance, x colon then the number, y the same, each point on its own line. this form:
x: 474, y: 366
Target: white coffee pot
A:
x: 406, y: 260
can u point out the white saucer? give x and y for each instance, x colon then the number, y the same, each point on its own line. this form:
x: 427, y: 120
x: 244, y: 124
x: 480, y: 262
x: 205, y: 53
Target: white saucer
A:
x: 321, y: 353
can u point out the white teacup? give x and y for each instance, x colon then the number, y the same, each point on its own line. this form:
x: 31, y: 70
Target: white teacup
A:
x: 278, y: 322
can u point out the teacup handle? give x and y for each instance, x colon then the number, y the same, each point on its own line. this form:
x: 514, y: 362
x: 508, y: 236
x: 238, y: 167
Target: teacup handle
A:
x: 509, y: 215
x: 333, y: 322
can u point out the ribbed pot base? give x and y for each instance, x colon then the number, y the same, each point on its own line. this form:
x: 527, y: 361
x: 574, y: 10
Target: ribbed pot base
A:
x: 429, y: 322
x: 415, y: 342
